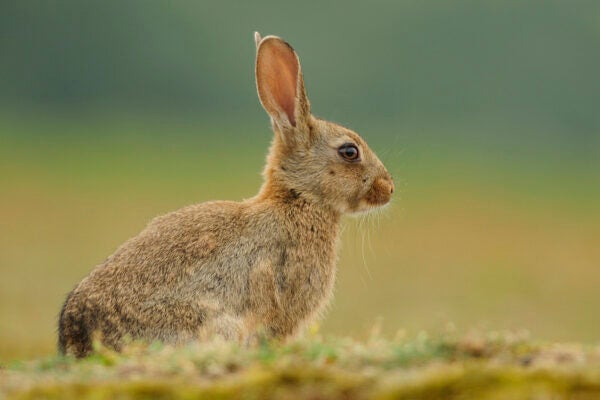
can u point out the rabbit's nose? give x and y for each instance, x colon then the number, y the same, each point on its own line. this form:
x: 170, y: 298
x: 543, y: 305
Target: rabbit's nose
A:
x: 391, y: 182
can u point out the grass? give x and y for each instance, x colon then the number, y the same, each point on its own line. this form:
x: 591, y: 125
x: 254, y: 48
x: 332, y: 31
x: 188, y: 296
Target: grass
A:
x: 446, y: 366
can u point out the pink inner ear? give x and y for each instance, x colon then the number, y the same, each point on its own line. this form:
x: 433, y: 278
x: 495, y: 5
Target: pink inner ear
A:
x: 277, y: 76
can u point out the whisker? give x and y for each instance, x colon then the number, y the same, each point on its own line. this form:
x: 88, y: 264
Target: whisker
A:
x: 362, y: 247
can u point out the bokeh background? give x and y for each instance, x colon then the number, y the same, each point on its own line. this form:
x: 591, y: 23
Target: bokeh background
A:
x: 487, y: 113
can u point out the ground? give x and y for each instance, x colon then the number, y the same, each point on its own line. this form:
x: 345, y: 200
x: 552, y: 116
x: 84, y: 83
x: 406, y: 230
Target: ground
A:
x: 445, y: 366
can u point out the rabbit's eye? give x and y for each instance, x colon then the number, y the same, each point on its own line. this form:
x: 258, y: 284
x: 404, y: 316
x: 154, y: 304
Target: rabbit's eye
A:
x: 349, y: 152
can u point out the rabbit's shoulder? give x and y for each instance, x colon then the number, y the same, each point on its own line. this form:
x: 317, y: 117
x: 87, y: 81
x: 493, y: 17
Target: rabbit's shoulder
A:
x: 200, y: 217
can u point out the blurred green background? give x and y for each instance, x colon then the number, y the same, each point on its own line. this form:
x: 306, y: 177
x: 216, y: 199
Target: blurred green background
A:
x: 487, y: 113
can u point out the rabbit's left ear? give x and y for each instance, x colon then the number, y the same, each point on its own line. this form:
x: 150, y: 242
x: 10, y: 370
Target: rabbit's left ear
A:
x: 279, y: 83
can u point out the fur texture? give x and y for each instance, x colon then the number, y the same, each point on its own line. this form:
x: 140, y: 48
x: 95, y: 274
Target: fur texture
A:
x: 266, y: 264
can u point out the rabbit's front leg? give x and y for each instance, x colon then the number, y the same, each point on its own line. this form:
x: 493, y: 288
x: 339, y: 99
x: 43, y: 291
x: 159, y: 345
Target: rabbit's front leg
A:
x: 266, y: 314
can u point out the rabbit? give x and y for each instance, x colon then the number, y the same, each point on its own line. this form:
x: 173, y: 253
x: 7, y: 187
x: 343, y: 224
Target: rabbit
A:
x: 263, y: 266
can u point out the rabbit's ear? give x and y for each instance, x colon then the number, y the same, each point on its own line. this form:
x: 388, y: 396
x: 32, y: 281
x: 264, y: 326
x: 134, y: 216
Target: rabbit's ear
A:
x: 257, y: 39
x: 279, y: 83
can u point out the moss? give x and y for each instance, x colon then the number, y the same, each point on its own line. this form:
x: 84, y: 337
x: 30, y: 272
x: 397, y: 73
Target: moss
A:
x: 488, y: 366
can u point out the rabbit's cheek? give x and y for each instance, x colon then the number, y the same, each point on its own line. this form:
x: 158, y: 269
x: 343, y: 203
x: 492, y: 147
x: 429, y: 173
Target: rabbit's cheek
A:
x: 354, y: 204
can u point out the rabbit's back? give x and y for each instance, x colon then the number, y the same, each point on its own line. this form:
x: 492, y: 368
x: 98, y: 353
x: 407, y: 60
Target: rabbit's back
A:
x: 153, y: 286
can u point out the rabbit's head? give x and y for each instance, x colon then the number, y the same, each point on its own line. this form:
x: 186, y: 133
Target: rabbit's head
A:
x: 311, y: 157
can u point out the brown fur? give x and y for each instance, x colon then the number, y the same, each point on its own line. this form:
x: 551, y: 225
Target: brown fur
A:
x: 235, y: 269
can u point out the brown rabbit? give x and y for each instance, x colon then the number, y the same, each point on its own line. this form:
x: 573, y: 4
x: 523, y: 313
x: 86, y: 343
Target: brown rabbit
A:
x: 266, y: 264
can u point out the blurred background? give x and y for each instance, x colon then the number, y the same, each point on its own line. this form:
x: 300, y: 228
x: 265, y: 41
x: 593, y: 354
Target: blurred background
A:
x: 487, y: 113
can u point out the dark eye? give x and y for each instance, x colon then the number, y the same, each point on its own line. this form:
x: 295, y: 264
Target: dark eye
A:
x: 349, y: 152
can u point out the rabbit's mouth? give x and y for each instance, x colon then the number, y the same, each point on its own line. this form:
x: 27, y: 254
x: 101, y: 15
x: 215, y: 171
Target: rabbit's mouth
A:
x: 378, y: 195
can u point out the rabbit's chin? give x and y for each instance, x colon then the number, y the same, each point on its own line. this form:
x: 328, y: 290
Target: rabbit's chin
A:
x: 365, y: 207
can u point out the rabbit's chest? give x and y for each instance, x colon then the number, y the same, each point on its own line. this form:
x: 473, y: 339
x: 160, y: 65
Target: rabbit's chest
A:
x: 304, y: 279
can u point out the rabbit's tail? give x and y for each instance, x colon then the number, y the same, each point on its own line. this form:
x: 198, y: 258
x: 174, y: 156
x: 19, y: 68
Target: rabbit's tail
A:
x: 74, y: 328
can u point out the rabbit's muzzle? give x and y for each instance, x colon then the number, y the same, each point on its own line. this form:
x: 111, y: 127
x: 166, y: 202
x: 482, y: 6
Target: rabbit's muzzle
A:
x: 381, y: 191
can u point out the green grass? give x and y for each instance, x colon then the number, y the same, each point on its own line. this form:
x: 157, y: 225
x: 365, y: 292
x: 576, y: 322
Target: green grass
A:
x: 447, y: 366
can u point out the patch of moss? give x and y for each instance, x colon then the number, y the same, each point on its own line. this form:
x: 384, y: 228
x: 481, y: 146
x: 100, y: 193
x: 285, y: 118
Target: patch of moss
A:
x: 491, y: 366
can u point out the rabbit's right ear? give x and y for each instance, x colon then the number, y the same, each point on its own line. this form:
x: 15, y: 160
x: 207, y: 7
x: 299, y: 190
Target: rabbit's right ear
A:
x: 257, y: 39
x: 279, y: 83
